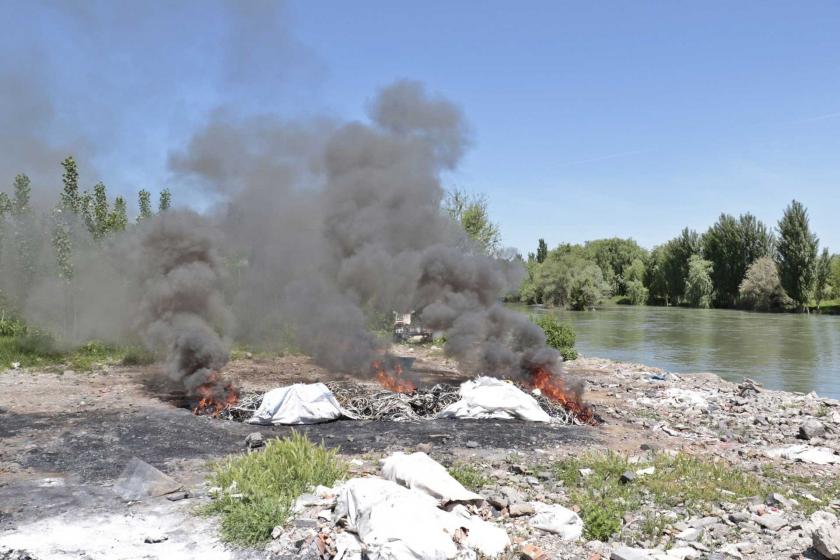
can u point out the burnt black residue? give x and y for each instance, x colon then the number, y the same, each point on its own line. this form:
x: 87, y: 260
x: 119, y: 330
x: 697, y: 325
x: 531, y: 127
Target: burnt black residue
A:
x: 94, y: 446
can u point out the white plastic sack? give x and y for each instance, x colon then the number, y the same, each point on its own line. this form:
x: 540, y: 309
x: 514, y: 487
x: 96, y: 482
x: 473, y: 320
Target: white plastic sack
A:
x: 420, y: 472
x: 806, y: 454
x: 558, y: 520
x: 487, y: 397
x: 298, y: 404
x: 396, y: 523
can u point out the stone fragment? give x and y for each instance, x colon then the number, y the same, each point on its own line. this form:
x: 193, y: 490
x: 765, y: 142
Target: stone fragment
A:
x: 811, y: 429
x: 776, y: 499
x: 520, y: 509
x: 155, y: 538
x: 826, y: 539
x: 424, y: 448
x: 472, y: 444
x: 177, y: 496
x: 628, y: 476
x: 771, y: 521
x: 254, y: 440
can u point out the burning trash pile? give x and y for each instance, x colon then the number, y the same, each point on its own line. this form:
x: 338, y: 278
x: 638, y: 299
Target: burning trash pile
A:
x: 480, y: 398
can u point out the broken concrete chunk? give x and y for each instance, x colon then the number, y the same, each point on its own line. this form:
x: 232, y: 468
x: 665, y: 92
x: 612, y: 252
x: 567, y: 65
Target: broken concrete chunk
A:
x: 141, y: 480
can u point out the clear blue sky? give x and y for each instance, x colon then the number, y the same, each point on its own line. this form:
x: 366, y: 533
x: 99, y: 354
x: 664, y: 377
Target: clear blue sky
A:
x: 589, y: 119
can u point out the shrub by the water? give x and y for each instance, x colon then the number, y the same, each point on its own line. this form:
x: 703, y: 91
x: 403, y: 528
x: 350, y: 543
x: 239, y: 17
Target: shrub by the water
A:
x: 558, y: 335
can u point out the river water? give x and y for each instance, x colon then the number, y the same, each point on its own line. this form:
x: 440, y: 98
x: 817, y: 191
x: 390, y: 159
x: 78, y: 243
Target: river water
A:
x: 793, y: 352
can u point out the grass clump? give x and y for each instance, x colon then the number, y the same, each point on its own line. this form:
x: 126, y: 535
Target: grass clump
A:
x: 259, y: 489
x: 680, y: 480
x: 470, y: 477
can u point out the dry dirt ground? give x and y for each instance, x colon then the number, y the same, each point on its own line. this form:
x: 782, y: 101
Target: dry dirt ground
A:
x: 66, y: 437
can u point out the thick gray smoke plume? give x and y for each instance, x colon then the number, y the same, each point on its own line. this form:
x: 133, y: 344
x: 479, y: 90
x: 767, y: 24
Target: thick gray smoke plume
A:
x: 182, y: 310
x: 338, y: 222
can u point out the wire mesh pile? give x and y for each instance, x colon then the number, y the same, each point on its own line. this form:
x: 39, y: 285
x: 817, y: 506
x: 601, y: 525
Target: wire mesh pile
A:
x: 246, y: 407
x: 370, y: 402
x: 553, y: 408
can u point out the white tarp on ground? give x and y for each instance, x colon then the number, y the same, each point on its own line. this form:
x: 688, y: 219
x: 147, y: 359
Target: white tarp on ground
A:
x: 487, y: 397
x: 396, y: 523
x: 806, y: 454
x: 420, y: 472
x: 298, y: 404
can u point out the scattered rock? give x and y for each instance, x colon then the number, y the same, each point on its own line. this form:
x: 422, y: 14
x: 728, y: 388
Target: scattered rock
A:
x: 811, y: 429
x: 155, y: 538
x: 520, y: 509
x: 254, y: 440
x: 825, y: 534
x: 627, y: 477
x: 472, y: 444
x: 771, y: 521
x: 177, y: 496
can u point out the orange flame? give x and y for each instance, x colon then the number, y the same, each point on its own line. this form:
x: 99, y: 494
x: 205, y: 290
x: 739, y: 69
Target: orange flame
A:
x: 553, y: 387
x: 212, y: 399
x: 392, y: 381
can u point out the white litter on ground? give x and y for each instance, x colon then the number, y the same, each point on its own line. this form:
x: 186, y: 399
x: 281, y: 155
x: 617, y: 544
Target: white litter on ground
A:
x: 806, y: 454
x: 487, y: 397
x: 558, y: 520
x: 420, y: 472
x: 396, y: 523
x: 300, y: 403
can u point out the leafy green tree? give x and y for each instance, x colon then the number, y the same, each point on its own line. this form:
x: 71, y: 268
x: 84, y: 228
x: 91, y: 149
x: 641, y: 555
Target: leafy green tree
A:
x: 822, y: 287
x: 62, y: 244
x: 732, y: 245
x: 761, y: 288
x: 23, y: 191
x: 165, y: 201
x: 796, y: 254
x: 71, y: 200
x: 698, y: 283
x: 118, y: 218
x: 5, y: 204
x: 587, y: 287
x: 635, y: 272
x: 542, y: 250
x: 471, y: 212
x: 667, y: 270
x: 835, y: 275
x: 614, y: 255
x: 145, y: 200
x: 101, y: 211
x: 566, y: 279
x: 636, y: 292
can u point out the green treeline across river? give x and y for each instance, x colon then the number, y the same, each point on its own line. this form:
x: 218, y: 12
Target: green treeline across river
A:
x: 737, y: 263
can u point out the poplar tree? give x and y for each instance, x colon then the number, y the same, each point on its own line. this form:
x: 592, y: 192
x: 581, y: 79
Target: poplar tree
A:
x: 165, y: 200
x: 118, y: 218
x: 796, y: 254
x: 70, y: 198
x: 145, y: 200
